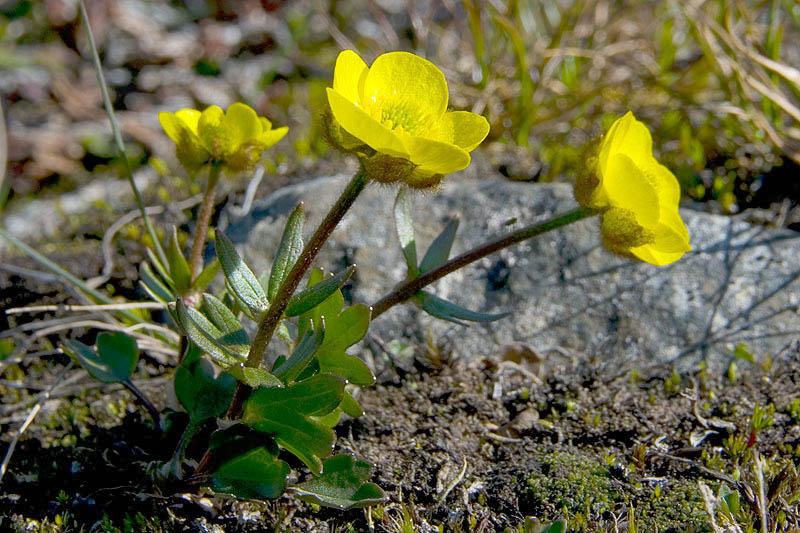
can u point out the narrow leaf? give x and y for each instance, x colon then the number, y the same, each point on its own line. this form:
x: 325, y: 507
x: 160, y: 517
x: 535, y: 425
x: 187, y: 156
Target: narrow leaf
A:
x: 314, y: 295
x: 233, y: 337
x: 161, y: 269
x: 405, y: 230
x: 351, y: 406
x: 240, y: 278
x: 206, y: 276
x: 302, y: 355
x: 254, y: 377
x: 440, y: 308
x: 153, y: 286
x: 255, y: 475
x: 439, y: 250
x: 178, y: 267
x: 289, y: 250
x: 342, y: 485
x: 205, y: 335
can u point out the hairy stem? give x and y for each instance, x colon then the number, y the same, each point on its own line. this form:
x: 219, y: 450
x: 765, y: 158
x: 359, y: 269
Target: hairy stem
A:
x: 269, y: 322
x: 408, y: 289
x: 203, y: 219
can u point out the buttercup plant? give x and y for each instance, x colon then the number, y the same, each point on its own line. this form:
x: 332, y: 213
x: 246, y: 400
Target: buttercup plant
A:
x: 254, y: 403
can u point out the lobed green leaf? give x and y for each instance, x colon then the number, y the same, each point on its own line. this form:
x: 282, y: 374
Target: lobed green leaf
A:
x: 342, y: 485
x: 257, y: 474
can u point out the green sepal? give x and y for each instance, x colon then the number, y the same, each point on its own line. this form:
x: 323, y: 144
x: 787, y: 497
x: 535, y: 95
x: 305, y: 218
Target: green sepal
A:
x: 404, y: 225
x: 440, y: 308
x: 314, y: 295
x: 286, y: 414
x: 289, y: 250
x: 342, y: 485
x: 240, y: 278
x: 113, y: 361
x: 439, y: 250
x: 178, y: 266
x: 202, y: 394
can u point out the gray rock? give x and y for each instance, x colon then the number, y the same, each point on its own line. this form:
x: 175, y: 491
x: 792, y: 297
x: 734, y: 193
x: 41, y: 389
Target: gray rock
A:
x: 567, y: 294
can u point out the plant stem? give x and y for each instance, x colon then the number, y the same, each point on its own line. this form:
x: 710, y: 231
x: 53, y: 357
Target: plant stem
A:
x: 118, y: 135
x: 413, y: 286
x: 203, y: 219
x: 270, y: 320
x: 151, y: 409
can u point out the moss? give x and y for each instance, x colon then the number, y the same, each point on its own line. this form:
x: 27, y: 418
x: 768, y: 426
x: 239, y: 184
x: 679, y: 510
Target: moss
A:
x: 581, y: 490
x: 573, y: 484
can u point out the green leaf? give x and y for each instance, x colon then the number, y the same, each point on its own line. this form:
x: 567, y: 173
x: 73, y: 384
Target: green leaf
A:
x: 254, y: 377
x: 114, y: 360
x: 301, y: 356
x: 559, y: 526
x: 285, y: 413
x: 256, y: 475
x: 207, y: 336
x: 439, y: 250
x: 343, y: 328
x: 351, y: 406
x: 433, y: 305
x: 405, y: 230
x: 289, y: 250
x: 342, y: 485
x: 318, y: 293
x: 742, y: 351
x: 234, y: 337
x: 201, y: 394
x: 240, y: 278
x: 178, y: 266
x: 153, y: 286
x: 160, y: 269
x: 207, y: 275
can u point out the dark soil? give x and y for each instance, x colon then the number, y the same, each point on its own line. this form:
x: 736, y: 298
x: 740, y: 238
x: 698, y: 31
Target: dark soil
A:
x: 464, y: 447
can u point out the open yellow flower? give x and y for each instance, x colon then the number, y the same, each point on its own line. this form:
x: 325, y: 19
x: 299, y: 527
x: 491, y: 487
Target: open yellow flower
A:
x: 638, y: 195
x: 398, y: 108
x: 234, y: 139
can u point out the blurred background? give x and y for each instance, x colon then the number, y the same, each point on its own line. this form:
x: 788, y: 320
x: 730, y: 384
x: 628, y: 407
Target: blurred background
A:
x: 716, y: 80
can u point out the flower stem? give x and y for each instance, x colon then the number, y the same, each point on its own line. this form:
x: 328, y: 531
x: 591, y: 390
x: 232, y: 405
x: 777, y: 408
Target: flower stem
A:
x: 203, y: 219
x: 270, y: 319
x: 408, y: 289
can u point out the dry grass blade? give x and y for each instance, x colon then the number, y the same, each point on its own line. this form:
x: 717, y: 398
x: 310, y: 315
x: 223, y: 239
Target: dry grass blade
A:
x: 29, y: 420
x: 3, y: 156
x: 82, y: 308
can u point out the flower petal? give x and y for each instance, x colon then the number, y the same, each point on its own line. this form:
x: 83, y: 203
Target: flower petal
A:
x: 626, y: 186
x: 175, y: 124
x: 649, y: 254
x: 189, y: 117
x: 629, y: 136
x: 469, y: 129
x: 436, y: 157
x: 241, y: 123
x: 409, y: 82
x: 270, y: 137
x: 365, y: 128
x: 349, y: 75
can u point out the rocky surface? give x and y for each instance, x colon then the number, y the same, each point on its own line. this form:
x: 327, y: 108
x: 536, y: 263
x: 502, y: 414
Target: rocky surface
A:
x: 567, y: 295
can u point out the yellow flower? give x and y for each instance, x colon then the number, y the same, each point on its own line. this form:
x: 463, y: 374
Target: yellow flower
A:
x: 234, y: 139
x: 638, y: 196
x: 398, y: 108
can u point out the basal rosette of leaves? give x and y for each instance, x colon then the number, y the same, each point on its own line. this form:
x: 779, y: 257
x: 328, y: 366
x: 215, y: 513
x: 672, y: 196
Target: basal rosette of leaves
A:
x: 638, y: 197
x: 234, y: 138
x: 398, y: 109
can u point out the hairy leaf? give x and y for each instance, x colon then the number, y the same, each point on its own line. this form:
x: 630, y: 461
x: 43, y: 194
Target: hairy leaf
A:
x: 239, y: 276
x: 302, y: 355
x: 433, y: 305
x: 178, y: 267
x: 207, y: 336
x: 315, y: 294
x: 289, y: 250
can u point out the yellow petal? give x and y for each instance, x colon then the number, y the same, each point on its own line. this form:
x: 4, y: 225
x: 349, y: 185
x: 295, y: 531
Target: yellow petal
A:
x: 407, y: 82
x: 175, y: 124
x: 349, y: 75
x: 270, y: 137
x: 666, y: 184
x: 469, y: 129
x: 212, y: 133
x: 365, y: 128
x: 436, y: 157
x: 189, y: 117
x: 241, y: 123
x: 629, y: 136
x: 266, y: 125
x: 649, y: 254
x: 626, y: 186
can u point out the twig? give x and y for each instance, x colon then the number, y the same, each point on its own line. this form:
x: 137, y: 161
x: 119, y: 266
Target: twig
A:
x: 453, y: 484
x: 28, y: 421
